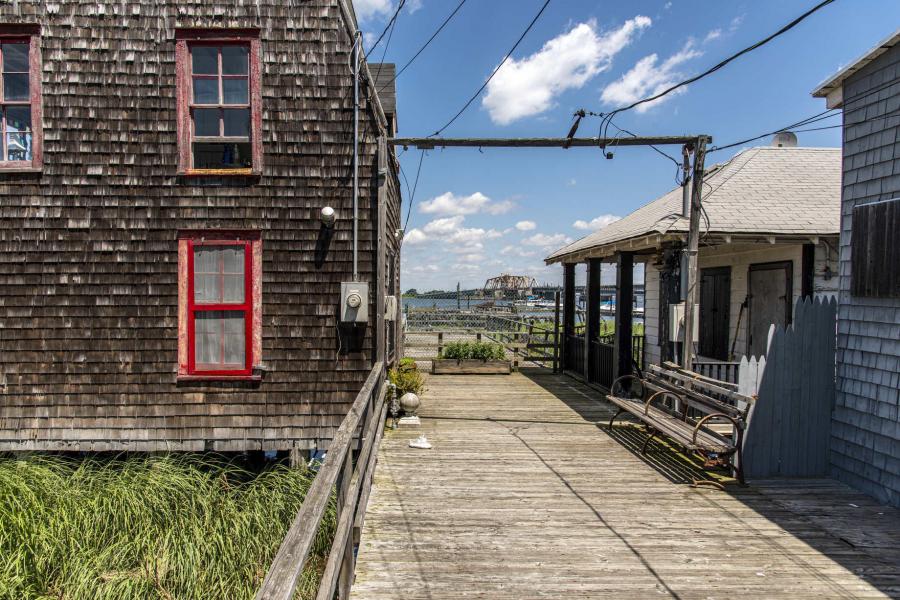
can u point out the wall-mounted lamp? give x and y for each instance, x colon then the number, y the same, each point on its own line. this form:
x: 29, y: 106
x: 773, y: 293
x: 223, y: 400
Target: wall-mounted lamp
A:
x: 327, y: 217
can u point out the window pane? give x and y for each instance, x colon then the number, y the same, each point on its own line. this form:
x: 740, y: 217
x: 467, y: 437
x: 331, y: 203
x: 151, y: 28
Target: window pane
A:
x: 18, y: 118
x: 219, y: 274
x: 237, y: 122
x: 15, y: 57
x: 18, y: 146
x: 206, y: 122
x: 222, y: 156
x: 206, y: 91
x: 15, y: 86
x: 235, y: 91
x: 219, y: 340
x: 234, y: 60
x: 205, y: 60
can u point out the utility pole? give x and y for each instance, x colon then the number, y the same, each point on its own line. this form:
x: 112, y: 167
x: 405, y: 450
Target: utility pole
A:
x: 692, y: 294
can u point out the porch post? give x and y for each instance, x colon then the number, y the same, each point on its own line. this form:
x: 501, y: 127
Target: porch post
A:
x: 592, y: 315
x: 568, y: 316
x: 624, y: 308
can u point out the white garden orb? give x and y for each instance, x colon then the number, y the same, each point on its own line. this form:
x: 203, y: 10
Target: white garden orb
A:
x: 410, y: 403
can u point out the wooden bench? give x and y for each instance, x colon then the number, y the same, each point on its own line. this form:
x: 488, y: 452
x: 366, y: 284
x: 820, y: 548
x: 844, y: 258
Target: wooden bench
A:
x: 704, y: 416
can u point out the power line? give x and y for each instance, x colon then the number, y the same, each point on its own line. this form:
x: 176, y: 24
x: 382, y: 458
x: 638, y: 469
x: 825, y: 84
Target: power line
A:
x: 412, y: 194
x: 392, y: 25
x: 721, y: 64
x: 389, y: 25
x: 505, y: 58
x: 807, y: 121
x: 425, y: 45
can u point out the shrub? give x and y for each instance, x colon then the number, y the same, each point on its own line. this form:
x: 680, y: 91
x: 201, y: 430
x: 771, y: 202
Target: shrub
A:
x: 408, y: 364
x: 407, y: 380
x: 473, y: 351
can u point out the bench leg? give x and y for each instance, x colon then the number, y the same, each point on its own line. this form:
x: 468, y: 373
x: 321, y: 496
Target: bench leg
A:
x: 614, y: 418
x: 739, y: 469
x: 650, y: 434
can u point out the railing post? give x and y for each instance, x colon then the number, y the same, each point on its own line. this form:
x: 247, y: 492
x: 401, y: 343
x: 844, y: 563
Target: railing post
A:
x: 440, y: 343
x: 556, y: 333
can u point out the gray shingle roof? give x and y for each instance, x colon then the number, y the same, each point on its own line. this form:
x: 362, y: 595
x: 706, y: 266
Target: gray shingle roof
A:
x: 765, y: 190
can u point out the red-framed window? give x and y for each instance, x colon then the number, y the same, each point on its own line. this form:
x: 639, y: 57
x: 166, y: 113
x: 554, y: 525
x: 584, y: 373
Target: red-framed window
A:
x: 219, y: 304
x: 20, y: 98
x: 219, y: 102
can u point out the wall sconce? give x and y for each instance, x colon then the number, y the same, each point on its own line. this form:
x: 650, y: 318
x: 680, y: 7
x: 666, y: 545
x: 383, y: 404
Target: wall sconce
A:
x: 327, y: 217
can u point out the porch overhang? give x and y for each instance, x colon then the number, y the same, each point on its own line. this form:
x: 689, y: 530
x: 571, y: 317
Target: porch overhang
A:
x: 654, y: 242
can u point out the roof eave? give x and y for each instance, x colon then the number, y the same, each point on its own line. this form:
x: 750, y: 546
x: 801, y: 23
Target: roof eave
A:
x: 833, y: 84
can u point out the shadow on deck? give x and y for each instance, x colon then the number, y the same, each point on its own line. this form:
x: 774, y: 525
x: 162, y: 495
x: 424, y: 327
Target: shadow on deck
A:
x: 527, y: 494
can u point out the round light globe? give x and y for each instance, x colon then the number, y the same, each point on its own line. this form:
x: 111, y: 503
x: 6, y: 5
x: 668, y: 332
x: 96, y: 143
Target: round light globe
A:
x: 327, y: 216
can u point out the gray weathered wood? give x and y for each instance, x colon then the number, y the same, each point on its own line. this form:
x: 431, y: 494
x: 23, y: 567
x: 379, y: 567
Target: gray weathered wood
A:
x: 285, y: 571
x: 524, y: 497
x: 789, y: 428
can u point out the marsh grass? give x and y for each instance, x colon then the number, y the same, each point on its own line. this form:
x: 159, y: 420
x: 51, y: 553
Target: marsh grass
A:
x: 171, y: 527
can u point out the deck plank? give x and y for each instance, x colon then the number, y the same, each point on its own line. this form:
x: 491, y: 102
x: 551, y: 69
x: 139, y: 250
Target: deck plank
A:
x: 526, y: 495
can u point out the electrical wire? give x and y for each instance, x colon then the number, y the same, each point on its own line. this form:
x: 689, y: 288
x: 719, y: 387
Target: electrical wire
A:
x: 716, y: 67
x: 389, y: 25
x: 387, y: 44
x: 807, y: 121
x: 412, y: 193
x: 425, y: 45
x: 503, y: 62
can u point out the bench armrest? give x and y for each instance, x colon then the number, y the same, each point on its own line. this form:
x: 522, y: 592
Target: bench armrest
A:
x: 662, y: 393
x: 738, y: 425
x: 612, y: 388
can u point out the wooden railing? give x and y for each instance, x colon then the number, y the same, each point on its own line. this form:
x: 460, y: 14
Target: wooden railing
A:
x: 717, y: 369
x: 352, y: 474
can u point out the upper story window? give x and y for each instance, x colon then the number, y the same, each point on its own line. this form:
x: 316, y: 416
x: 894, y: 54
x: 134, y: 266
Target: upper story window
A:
x: 219, y: 100
x: 20, y: 98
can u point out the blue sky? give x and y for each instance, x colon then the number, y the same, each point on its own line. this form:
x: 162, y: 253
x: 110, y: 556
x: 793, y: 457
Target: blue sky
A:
x: 477, y: 214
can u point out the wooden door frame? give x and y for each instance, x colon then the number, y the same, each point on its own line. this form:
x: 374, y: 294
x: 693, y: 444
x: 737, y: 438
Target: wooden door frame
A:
x: 788, y: 266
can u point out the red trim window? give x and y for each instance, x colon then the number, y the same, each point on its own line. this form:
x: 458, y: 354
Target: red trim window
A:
x: 219, y: 304
x: 219, y: 101
x: 20, y: 98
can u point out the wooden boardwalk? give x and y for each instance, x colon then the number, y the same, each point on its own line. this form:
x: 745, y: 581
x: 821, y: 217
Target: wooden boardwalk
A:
x: 524, y: 496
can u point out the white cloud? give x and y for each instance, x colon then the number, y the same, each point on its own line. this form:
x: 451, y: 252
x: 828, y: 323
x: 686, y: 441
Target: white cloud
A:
x: 526, y: 225
x: 414, y: 237
x: 413, y: 5
x: 450, y: 204
x: 647, y: 78
x: 367, y: 9
x: 712, y: 35
x: 529, y: 86
x: 445, y: 226
x: 596, y: 223
x: 517, y: 251
x: 544, y: 240
x: 572, y: 182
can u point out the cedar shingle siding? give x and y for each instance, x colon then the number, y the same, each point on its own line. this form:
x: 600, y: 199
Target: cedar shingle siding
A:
x: 866, y: 424
x: 89, y: 252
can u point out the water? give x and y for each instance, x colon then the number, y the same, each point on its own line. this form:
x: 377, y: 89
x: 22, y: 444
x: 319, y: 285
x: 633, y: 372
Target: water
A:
x: 448, y: 303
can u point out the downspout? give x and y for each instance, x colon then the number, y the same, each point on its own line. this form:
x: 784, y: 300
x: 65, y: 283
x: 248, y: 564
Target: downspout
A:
x: 356, y: 49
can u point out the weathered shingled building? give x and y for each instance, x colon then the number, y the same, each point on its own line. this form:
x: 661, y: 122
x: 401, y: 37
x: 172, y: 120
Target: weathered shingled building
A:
x: 166, y: 279
x: 865, y: 429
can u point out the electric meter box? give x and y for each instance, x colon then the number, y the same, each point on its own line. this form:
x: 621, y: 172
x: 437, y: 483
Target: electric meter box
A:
x: 354, y: 302
x: 676, y: 322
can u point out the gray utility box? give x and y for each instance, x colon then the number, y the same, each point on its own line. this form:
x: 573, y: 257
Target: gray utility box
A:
x: 354, y: 302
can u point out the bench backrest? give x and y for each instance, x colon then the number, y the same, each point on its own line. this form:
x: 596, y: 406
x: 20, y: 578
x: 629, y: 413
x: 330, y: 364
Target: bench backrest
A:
x: 702, y: 393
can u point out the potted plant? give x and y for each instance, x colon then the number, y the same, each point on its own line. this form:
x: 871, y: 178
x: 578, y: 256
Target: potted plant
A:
x: 475, y: 358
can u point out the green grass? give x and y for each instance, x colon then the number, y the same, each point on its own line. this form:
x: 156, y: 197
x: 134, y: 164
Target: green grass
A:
x: 170, y: 528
